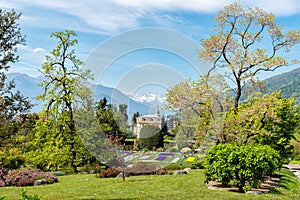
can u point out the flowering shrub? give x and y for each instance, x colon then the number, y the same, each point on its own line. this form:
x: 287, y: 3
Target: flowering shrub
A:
x: 2, y: 183
x: 26, y: 177
x: 3, y: 172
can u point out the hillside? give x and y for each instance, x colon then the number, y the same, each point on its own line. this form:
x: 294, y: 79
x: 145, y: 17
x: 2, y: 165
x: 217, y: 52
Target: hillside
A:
x: 288, y: 83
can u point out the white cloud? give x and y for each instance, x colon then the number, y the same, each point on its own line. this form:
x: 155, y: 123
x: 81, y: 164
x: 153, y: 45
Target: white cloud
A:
x: 38, y: 50
x: 29, y: 49
x: 111, y: 16
x: 30, y: 59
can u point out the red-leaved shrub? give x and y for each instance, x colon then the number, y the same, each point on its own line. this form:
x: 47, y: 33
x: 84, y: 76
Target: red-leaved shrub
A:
x: 109, y: 173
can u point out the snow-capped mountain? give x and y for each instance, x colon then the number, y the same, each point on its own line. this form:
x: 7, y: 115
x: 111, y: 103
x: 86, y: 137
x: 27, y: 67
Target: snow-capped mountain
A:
x: 28, y: 86
x: 148, y: 98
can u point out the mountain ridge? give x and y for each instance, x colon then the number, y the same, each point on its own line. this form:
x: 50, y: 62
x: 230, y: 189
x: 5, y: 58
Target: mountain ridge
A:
x: 28, y: 86
x: 288, y: 83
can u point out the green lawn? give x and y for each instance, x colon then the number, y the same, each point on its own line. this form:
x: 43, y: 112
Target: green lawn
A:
x: 189, y: 186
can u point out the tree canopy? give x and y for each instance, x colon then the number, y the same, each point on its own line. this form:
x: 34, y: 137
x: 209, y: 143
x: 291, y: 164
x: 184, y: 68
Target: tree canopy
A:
x: 63, y: 81
x: 246, y: 42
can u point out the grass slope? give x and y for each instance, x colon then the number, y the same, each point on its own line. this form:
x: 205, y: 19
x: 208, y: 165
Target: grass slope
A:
x: 189, y: 186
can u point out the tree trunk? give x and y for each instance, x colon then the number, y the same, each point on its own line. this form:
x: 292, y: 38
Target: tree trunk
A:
x: 238, y: 94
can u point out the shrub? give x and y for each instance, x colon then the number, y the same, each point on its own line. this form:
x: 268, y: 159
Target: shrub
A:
x: 26, y: 196
x: 177, y: 166
x: 11, y: 159
x: 198, y: 164
x: 59, y: 173
x: 92, y: 168
x: 26, y: 177
x: 242, y: 166
x: 2, y: 183
x: 3, y: 172
x: 110, y: 173
x: 142, y: 169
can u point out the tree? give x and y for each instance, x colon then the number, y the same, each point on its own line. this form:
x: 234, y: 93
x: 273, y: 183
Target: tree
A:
x: 13, y: 105
x: 265, y: 120
x: 201, y: 104
x: 135, y: 115
x: 247, y: 42
x: 112, y: 122
x: 150, y: 138
x: 10, y: 38
x: 63, y: 77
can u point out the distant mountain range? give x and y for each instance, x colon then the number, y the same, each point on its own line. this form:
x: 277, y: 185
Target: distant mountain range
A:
x: 28, y: 86
x: 288, y: 83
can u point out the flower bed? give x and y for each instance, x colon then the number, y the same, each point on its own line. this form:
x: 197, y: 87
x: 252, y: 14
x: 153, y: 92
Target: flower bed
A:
x: 190, y: 159
x: 166, y: 154
x: 161, y: 158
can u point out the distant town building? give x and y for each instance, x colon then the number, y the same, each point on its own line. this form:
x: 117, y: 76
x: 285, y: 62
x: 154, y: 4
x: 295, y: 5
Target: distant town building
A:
x: 146, y: 120
x: 155, y: 120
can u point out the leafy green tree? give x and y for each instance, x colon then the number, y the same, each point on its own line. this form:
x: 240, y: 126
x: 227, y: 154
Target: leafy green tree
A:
x: 266, y: 120
x: 13, y: 105
x: 201, y: 105
x: 150, y: 138
x: 246, y: 42
x: 10, y: 37
x: 245, y: 166
x: 63, y: 78
x: 112, y: 122
x: 48, y: 147
x: 135, y: 115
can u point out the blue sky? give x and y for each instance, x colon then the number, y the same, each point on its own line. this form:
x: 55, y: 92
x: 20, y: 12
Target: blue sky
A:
x: 120, y: 31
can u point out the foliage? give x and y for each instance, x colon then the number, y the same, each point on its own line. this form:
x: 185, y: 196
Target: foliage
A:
x: 48, y: 147
x: 242, y: 166
x: 198, y: 164
x: 201, y: 105
x: 26, y: 177
x: 25, y: 196
x: 150, y: 138
x: 63, y: 81
x: 112, y: 121
x: 142, y: 169
x: 111, y: 172
x: 135, y: 115
x: 11, y: 158
x: 10, y: 37
x: 58, y: 173
x: 12, y: 103
x: 3, y: 173
x: 100, y: 148
x: 184, y: 135
x: 267, y: 120
x: 246, y: 42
